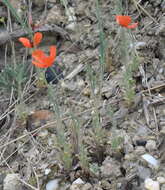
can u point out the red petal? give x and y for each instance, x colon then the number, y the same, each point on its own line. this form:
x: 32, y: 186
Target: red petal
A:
x: 37, y: 38
x: 43, y: 61
x: 123, y: 20
x: 49, y: 61
x: 134, y: 25
x: 46, y: 62
x: 38, y: 54
x: 53, y: 51
x: 26, y: 42
x: 40, y: 65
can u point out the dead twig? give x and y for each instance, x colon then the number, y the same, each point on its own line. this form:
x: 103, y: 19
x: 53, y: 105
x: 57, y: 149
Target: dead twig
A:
x: 7, y: 36
x: 159, y: 87
x: 137, y: 5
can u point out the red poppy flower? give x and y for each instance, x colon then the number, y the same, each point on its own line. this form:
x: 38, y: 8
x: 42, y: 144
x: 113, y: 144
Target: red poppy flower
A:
x: 36, y: 40
x: 43, y: 61
x: 125, y: 21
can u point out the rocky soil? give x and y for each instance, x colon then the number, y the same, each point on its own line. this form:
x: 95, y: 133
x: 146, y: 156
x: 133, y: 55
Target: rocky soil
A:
x: 131, y: 154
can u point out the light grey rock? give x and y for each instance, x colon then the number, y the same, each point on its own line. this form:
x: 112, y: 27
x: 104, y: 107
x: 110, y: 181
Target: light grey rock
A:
x: 87, y: 186
x: 143, y: 172
x: 53, y: 184
x: 163, y: 187
x: 12, y: 182
x: 151, y: 185
x: 161, y: 180
x: 75, y: 187
x: 151, y: 145
x: 110, y: 168
x: 77, y: 184
x: 140, y: 45
x: 140, y: 150
x: 78, y: 181
x: 151, y: 160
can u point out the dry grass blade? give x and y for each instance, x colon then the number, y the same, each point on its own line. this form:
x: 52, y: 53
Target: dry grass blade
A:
x: 54, y: 122
x: 137, y: 5
x: 146, y: 111
x: 77, y: 70
x: 157, y: 88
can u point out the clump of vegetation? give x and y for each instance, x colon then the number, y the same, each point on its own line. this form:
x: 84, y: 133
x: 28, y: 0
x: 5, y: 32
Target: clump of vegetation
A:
x: 69, y: 139
x: 128, y: 56
x: 14, y: 77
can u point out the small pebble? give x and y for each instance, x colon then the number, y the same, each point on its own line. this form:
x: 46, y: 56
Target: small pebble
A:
x: 151, y: 145
x: 11, y: 182
x: 78, y: 181
x: 43, y: 133
x: 87, y: 186
x: 81, y: 83
x: 77, y: 184
x: 161, y: 180
x: 52, y: 185
x: 162, y: 131
x: 151, y: 160
x: 140, y: 45
x: 86, y: 92
x: 144, y: 172
x: 140, y: 150
x: 47, y: 171
x: 163, y: 187
x: 141, y: 142
x: 151, y: 185
x: 71, y: 26
x: 68, y: 86
x: 110, y: 168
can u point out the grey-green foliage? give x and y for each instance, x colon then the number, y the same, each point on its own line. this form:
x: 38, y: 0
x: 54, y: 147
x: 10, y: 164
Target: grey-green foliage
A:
x: 116, y: 142
x: 13, y: 77
x: 102, y: 40
x: 17, y: 17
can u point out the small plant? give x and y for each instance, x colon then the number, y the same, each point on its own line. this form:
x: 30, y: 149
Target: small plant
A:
x: 14, y: 78
x: 41, y: 60
x: 96, y: 80
x: 63, y: 145
x: 128, y: 56
x: 83, y: 158
x: 116, y: 142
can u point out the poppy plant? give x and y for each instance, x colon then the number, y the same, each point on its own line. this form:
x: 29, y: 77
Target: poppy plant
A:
x: 125, y: 21
x: 41, y: 60
x: 36, y: 40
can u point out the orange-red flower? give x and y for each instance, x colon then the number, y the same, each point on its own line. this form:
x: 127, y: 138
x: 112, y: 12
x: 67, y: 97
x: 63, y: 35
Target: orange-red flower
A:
x: 43, y: 61
x: 125, y: 21
x: 36, y: 40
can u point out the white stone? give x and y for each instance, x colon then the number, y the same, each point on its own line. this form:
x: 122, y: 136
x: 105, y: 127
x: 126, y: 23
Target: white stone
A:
x: 140, y: 45
x: 151, y: 145
x: 52, y: 185
x: 151, y: 160
x: 71, y: 14
x: 11, y: 181
x: 43, y: 133
x: 151, y: 185
x: 78, y: 181
x: 161, y: 180
x: 75, y: 187
x: 47, y: 171
x: 71, y: 26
